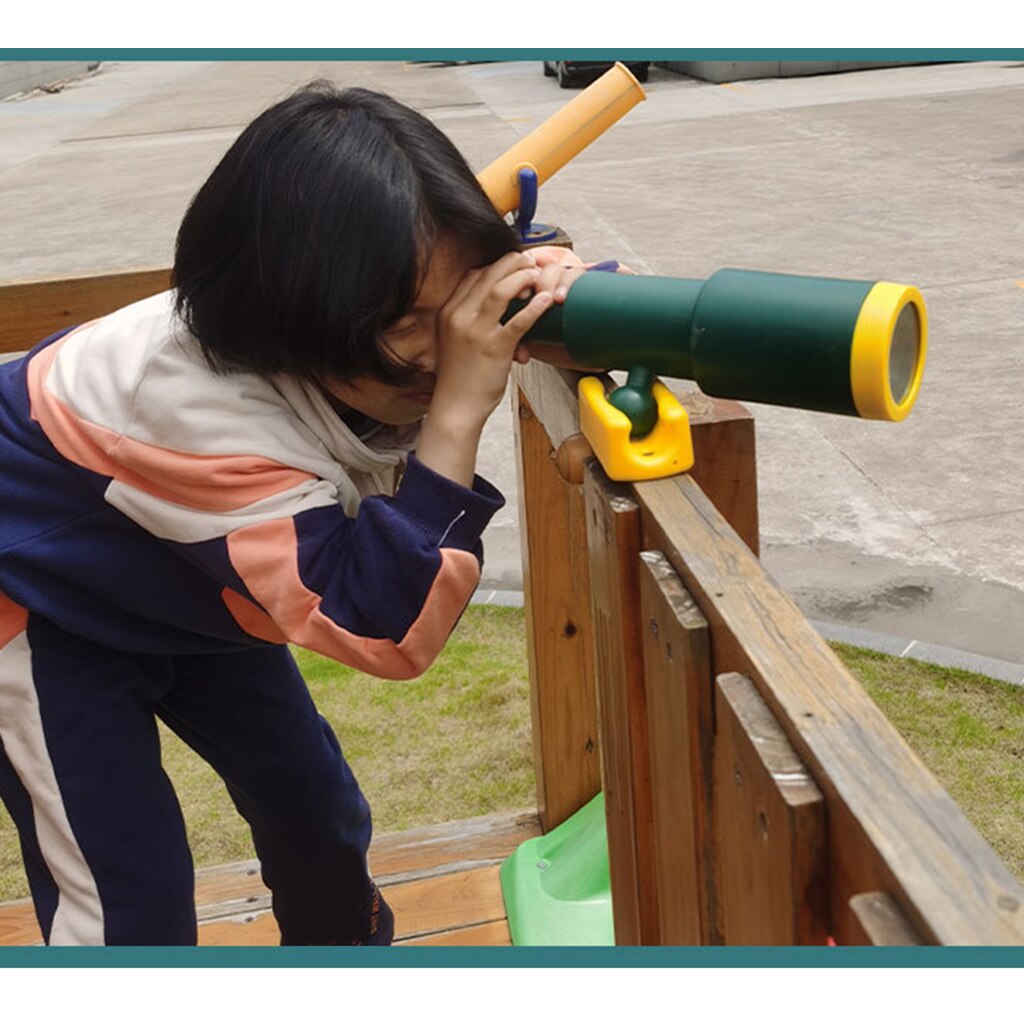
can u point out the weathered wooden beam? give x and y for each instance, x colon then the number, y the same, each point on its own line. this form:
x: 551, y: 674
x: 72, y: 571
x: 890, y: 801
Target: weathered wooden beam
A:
x: 891, y: 826
x: 33, y: 310
x: 556, y: 586
x: 878, y: 921
x: 613, y: 540
x: 770, y: 827
x: 725, y: 460
x: 680, y: 717
x: 467, y: 842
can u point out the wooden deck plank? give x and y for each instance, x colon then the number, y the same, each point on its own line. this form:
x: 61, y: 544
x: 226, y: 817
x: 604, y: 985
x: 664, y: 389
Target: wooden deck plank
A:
x: 495, y: 933
x: 439, y: 906
x: 472, y: 841
x: 227, y: 883
x: 18, y: 924
x: 256, y: 930
x: 450, y: 901
x: 432, y: 873
x: 396, y: 856
x: 263, y: 932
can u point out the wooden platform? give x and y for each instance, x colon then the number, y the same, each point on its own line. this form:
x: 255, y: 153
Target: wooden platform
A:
x: 441, y: 881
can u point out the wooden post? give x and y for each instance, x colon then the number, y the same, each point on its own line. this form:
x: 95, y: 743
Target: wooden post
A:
x: 613, y: 538
x: 725, y: 460
x: 680, y: 716
x: 770, y: 827
x: 556, y: 583
x: 552, y: 454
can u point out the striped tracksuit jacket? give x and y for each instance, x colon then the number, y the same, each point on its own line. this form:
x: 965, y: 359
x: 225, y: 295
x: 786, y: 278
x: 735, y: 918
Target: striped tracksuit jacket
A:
x: 165, y: 532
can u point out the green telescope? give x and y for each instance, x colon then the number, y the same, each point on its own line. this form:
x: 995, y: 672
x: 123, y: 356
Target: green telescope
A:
x: 851, y: 347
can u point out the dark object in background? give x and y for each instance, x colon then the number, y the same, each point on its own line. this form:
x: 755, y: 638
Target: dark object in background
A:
x: 580, y: 72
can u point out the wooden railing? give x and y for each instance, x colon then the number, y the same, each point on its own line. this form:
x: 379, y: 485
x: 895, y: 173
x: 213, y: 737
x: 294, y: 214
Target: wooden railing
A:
x: 33, y: 310
x: 754, y: 793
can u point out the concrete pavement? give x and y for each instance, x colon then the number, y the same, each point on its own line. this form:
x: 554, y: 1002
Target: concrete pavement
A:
x: 912, y: 174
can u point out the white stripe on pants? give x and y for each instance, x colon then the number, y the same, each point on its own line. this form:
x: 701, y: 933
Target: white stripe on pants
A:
x: 79, y: 917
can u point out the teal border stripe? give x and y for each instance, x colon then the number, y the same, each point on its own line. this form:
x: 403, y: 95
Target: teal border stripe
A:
x: 434, y: 53
x: 432, y: 957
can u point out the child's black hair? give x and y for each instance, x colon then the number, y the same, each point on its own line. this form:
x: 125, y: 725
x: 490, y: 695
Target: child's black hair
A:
x: 314, y: 231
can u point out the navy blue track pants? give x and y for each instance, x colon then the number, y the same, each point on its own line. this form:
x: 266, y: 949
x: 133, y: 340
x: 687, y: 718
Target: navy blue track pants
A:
x: 101, y: 830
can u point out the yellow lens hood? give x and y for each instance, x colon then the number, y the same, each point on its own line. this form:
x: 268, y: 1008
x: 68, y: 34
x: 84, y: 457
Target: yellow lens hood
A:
x: 870, y: 373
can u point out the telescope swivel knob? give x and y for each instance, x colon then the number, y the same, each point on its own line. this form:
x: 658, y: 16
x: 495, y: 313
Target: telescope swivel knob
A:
x: 636, y: 399
x: 665, y: 450
x: 530, y: 233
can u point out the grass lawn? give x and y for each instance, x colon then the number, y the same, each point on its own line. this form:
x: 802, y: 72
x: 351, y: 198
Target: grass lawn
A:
x: 967, y: 728
x: 456, y: 743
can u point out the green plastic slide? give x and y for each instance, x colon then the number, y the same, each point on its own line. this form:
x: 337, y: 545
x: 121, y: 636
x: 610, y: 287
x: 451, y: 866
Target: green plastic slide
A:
x: 556, y: 887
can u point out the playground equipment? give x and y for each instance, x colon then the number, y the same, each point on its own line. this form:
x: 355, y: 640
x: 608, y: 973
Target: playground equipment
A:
x: 673, y: 819
x: 754, y: 793
x: 513, y: 180
x: 557, y: 887
x: 562, y: 136
x: 856, y: 348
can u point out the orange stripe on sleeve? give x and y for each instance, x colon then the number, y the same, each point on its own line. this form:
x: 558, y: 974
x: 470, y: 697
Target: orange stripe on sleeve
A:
x: 265, y: 556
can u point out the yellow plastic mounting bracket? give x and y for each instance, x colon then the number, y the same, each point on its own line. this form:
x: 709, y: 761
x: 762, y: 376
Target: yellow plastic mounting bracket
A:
x: 665, y: 451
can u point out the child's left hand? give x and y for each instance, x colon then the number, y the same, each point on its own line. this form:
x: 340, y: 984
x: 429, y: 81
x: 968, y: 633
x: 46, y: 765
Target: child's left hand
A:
x: 556, y: 278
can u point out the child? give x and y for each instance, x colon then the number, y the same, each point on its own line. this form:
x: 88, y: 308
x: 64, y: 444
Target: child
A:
x: 202, y: 477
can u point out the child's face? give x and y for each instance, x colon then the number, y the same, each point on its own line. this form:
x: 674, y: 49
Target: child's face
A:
x: 414, y: 339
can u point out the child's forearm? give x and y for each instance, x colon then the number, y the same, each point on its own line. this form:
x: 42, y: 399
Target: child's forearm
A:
x: 448, y: 445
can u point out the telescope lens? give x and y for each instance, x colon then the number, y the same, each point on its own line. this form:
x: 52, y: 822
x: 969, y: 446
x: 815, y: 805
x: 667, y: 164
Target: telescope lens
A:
x: 904, y: 352
x: 890, y: 340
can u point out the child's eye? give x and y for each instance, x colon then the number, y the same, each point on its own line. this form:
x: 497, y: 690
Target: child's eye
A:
x: 404, y: 326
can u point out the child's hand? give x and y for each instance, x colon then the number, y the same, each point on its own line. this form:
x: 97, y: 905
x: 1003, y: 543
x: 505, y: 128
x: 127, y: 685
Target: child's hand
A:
x: 475, y: 349
x: 557, y: 278
x: 474, y: 356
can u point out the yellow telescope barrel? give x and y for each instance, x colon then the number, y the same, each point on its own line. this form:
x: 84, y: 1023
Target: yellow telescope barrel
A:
x: 562, y: 136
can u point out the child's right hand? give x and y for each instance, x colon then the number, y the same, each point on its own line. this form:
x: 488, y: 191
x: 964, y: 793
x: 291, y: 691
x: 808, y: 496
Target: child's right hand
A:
x: 475, y: 351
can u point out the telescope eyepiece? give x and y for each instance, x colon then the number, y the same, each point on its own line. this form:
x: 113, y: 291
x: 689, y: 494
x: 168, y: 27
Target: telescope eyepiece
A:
x: 887, y: 356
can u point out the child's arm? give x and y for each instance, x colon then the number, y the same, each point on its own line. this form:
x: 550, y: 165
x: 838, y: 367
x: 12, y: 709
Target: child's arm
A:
x: 380, y: 591
x: 476, y: 349
x: 222, y: 471
x: 475, y: 355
